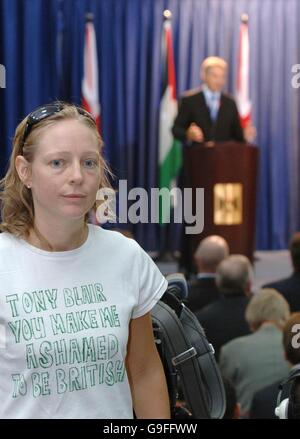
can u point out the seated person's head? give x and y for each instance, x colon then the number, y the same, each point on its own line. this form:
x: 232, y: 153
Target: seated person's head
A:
x: 210, y: 252
x: 267, y: 306
x: 234, y: 275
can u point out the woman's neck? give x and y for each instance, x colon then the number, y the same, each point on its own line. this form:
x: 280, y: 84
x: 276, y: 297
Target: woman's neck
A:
x: 56, y: 239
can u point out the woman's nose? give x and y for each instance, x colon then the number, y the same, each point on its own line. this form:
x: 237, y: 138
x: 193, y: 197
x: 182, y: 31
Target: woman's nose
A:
x: 76, y: 172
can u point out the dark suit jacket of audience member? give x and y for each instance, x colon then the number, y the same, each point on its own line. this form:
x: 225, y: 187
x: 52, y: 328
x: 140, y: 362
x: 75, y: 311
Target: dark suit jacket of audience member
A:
x: 193, y: 108
x: 264, y: 402
x: 202, y: 292
x: 290, y: 289
x: 224, y: 320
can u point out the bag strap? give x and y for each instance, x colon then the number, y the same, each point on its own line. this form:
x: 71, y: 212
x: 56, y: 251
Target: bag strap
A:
x: 193, y: 357
x: 179, y: 347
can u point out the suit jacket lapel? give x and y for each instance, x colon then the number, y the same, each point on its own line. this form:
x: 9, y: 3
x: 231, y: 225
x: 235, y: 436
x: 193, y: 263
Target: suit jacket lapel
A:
x: 221, y: 109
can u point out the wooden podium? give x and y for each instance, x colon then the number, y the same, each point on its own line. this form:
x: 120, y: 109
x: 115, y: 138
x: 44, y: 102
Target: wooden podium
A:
x: 228, y: 174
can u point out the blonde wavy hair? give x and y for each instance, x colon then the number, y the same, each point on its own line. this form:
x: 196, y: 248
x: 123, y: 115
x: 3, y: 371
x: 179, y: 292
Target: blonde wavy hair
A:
x: 17, y: 209
x: 267, y: 305
x: 213, y: 61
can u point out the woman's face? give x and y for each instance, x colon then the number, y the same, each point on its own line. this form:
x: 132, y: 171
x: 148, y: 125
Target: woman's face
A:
x: 65, y: 172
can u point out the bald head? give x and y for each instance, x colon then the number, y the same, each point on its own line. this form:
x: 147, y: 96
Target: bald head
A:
x: 234, y: 274
x: 210, y: 252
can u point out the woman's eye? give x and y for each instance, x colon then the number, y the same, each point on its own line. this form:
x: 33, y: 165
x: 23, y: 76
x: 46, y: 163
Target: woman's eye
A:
x: 57, y: 163
x: 90, y: 163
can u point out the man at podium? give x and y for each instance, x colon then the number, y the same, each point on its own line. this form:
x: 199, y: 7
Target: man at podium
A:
x: 207, y: 115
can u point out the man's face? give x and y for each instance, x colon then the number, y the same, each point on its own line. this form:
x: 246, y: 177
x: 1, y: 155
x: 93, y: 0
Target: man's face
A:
x: 215, y: 78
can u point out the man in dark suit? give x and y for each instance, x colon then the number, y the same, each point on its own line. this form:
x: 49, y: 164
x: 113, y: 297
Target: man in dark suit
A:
x: 290, y: 286
x: 203, y: 290
x: 207, y: 115
x: 264, y: 402
x: 224, y: 319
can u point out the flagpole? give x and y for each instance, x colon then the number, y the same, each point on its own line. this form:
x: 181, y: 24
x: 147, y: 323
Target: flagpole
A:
x: 59, y: 50
x: 242, y: 87
x: 163, y: 231
x: 89, y: 86
x: 170, y: 153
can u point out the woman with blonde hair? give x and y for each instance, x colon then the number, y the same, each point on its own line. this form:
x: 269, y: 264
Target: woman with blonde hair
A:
x: 75, y: 299
x: 254, y: 361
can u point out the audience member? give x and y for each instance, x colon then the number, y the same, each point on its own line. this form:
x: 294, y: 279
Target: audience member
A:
x: 224, y: 319
x: 256, y: 360
x: 264, y: 401
x: 203, y: 290
x: 290, y: 286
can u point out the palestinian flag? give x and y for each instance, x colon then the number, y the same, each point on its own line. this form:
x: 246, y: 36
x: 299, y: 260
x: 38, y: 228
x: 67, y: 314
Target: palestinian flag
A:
x: 170, y: 153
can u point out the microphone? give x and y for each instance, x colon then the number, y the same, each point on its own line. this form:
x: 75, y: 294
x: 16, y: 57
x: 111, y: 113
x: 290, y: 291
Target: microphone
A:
x: 177, y: 285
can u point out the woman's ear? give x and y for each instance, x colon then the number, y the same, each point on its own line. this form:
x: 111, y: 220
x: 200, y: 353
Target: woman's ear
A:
x: 23, y: 168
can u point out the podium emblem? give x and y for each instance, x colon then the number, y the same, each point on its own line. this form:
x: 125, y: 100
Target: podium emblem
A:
x: 228, y: 204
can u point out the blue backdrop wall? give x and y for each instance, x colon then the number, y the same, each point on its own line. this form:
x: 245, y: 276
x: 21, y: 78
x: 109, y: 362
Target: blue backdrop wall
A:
x: 41, y: 47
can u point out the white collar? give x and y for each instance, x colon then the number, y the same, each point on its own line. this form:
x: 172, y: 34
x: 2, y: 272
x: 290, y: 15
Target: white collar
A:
x: 209, y: 93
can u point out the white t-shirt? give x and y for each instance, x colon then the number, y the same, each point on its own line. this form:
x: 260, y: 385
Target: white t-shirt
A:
x: 64, y: 319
